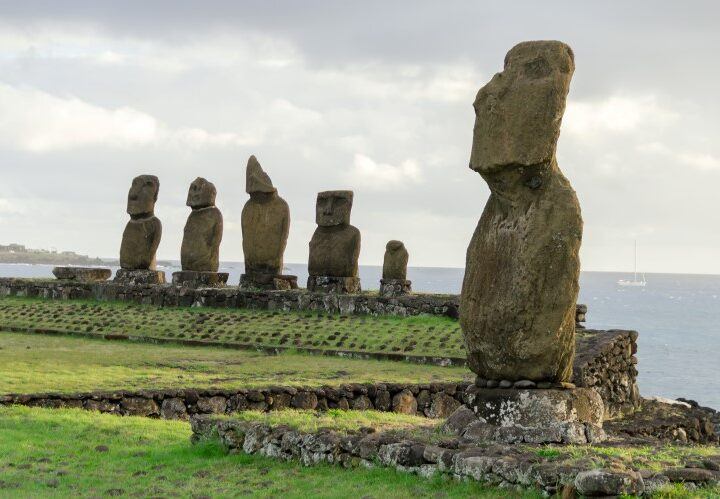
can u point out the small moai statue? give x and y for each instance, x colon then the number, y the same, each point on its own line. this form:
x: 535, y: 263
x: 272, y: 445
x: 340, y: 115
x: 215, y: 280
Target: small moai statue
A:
x: 142, y: 234
x: 200, y: 250
x: 335, y: 246
x: 517, y: 308
x: 265, y: 228
x: 394, y: 277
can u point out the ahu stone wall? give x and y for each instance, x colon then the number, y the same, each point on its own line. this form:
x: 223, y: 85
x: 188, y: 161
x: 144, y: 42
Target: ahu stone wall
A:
x: 168, y: 295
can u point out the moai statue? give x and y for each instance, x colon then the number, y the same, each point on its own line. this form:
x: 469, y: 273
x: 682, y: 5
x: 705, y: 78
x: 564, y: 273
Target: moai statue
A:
x: 517, y: 309
x: 200, y: 250
x: 335, y: 246
x: 394, y: 277
x: 265, y: 227
x: 142, y: 234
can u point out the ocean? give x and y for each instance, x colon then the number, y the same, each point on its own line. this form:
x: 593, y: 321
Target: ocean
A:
x: 677, y: 316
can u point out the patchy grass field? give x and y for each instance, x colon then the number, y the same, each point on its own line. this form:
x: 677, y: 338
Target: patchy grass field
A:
x: 39, y: 363
x: 425, y: 335
x: 74, y: 453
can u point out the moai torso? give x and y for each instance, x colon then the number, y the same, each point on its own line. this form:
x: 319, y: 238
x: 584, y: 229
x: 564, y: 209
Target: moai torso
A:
x: 265, y: 224
x: 517, y: 308
x: 200, y: 250
x: 142, y: 233
x: 335, y: 245
x: 395, y: 261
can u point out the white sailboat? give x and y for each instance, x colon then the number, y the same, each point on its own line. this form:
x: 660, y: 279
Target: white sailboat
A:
x: 634, y: 282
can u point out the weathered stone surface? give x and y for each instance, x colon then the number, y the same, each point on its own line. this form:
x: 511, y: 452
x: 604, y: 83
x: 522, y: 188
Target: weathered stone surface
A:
x: 330, y: 284
x: 212, y: 405
x: 265, y: 228
x: 143, y: 232
x: 268, y: 281
x: 404, y: 403
x: 535, y: 407
x: 82, y: 274
x: 196, y: 279
x: 521, y: 279
x: 395, y: 261
x: 200, y: 250
x: 395, y: 287
x: 139, y: 277
x: 335, y: 245
x: 460, y: 419
x: 139, y: 406
x: 609, y: 483
x: 173, y: 408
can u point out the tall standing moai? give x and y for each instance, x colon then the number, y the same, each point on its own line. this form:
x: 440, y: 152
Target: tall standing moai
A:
x: 200, y: 249
x: 394, y: 276
x: 265, y: 228
x: 517, y: 309
x: 335, y: 246
x: 142, y: 234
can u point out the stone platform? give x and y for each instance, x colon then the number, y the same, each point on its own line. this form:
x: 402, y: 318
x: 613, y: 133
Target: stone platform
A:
x: 395, y: 287
x: 82, y: 274
x: 139, y: 277
x: 195, y: 279
x: 570, y: 416
x: 268, y: 281
x: 333, y: 285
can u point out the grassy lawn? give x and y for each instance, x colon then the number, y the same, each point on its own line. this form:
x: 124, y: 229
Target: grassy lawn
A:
x: 337, y: 419
x: 423, y: 335
x: 73, y: 453
x: 38, y: 363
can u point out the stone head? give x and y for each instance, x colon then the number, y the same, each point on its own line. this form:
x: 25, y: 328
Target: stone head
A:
x: 201, y: 194
x: 518, y: 113
x: 143, y: 194
x: 333, y: 208
x: 256, y: 180
x: 393, y: 246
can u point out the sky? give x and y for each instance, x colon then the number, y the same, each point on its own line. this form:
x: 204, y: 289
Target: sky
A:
x: 371, y: 96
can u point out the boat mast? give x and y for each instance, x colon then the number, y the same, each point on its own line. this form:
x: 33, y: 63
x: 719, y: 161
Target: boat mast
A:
x: 635, y: 277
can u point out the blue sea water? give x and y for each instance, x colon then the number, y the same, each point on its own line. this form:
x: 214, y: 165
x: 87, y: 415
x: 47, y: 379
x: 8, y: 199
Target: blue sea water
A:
x: 677, y: 316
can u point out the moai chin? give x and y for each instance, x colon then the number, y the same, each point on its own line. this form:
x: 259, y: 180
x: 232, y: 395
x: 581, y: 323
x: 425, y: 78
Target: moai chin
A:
x: 200, y: 249
x: 394, y: 277
x: 142, y: 234
x: 517, y: 308
x: 335, y: 245
x: 265, y: 228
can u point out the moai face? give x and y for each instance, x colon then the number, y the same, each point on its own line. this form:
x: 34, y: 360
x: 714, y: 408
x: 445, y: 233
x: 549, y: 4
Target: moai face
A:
x: 201, y: 194
x: 143, y: 194
x: 333, y: 208
x: 518, y: 113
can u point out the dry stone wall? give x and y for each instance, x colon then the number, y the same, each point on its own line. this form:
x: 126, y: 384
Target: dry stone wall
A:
x: 233, y: 297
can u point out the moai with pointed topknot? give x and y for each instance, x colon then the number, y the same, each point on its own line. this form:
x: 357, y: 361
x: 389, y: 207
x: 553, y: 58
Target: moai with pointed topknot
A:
x: 141, y: 237
x: 335, y: 245
x: 200, y: 250
x: 265, y: 228
x: 517, y: 309
x: 394, y: 277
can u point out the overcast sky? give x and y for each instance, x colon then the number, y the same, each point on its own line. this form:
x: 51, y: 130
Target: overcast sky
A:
x: 370, y: 96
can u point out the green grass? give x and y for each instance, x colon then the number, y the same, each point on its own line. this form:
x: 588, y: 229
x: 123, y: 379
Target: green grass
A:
x: 336, y: 419
x: 421, y: 335
x: 37, y: 363
x: 73, y: 453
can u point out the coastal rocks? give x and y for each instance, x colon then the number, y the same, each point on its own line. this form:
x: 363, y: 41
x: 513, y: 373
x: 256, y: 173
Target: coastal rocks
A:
x: 200, y: 250
x: 142, y: 233
x: 82, y: 274
x: 265, y: 228
x: 521, y: 279
x: 394, y: 277
x: 335, y: 246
